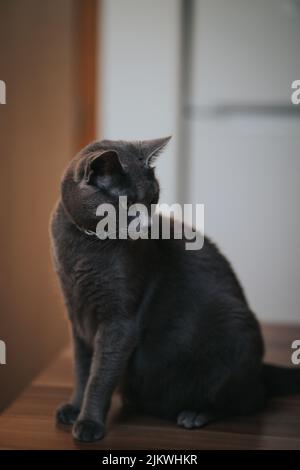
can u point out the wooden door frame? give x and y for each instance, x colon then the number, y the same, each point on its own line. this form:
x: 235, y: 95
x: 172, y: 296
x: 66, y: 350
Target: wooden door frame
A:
x: 86, y: 77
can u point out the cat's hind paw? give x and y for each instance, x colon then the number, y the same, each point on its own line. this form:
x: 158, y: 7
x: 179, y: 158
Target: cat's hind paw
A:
x: 86, y: 430
x: 67, y: 414
x: 192, y: 419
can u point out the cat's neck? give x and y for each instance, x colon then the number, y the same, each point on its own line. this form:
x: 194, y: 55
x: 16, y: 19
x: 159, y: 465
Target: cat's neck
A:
x: 70, y: 222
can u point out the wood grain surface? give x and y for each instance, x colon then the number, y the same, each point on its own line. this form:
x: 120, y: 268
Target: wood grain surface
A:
x: 28, y: 423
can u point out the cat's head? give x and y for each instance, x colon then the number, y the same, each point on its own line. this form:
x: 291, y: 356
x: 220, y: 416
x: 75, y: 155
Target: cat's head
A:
x: 103, y: 171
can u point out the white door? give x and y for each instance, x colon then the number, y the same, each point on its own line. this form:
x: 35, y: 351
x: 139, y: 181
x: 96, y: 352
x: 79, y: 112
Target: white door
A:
x: 245, y: 146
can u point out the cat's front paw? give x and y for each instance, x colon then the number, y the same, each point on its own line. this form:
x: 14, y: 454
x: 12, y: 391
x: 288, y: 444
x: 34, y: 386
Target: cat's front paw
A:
x: 67, y: 414
x: 86, y: 430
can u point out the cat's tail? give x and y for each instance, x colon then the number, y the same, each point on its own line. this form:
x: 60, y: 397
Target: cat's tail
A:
x: 280, y: 381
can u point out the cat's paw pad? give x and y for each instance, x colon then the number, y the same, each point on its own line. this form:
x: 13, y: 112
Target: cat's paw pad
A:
x: 67, y: 414
x: 192, y: 419
x: 86, y: 430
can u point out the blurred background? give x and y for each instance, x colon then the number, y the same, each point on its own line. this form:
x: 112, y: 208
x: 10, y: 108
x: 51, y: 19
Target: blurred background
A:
x: 216, y: 74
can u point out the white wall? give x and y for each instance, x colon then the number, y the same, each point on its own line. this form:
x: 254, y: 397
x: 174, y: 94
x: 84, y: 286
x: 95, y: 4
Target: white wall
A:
x: 139, y: 72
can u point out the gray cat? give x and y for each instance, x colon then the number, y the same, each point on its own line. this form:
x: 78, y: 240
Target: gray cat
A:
x: 171, y: 327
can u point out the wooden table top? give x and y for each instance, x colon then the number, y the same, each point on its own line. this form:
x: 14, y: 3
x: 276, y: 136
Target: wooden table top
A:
x: 29, y: 424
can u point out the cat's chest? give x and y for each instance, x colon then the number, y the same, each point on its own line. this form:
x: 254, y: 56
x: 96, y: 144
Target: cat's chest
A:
x: 96, y: 294
x: 93, y: 278
x: 100, y: 287
x: 100, y: 281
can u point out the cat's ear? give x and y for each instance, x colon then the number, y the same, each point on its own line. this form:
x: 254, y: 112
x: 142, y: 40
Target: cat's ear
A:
x: 152, y: 148
x: 105, y: 163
